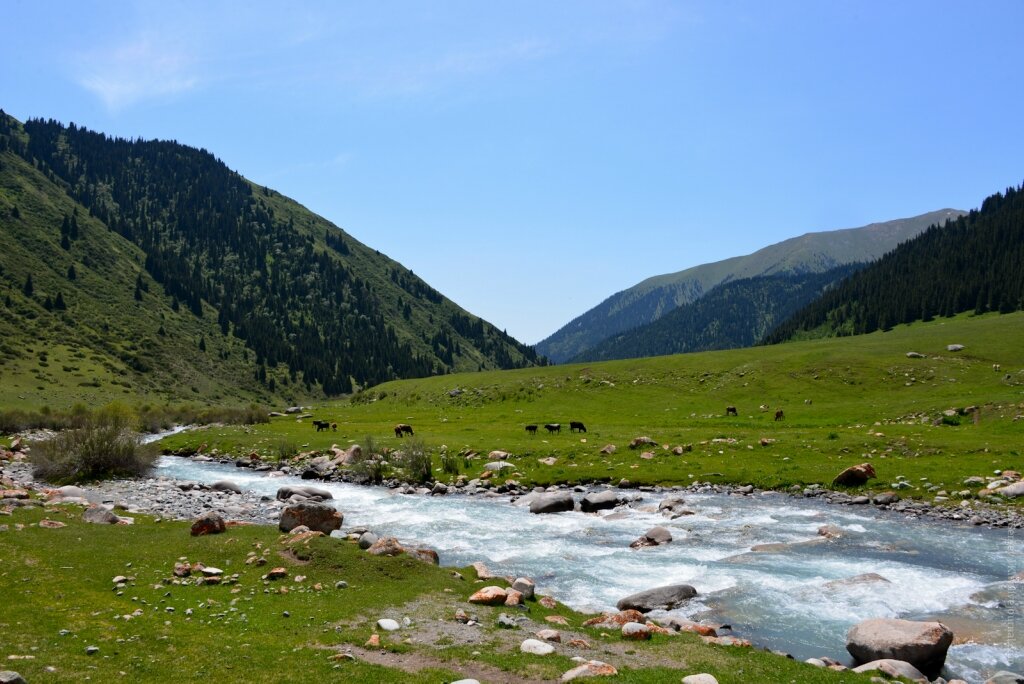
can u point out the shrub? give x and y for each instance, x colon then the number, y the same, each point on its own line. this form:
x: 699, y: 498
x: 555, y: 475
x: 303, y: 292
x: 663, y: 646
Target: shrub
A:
x: 416, y: 461
x: 450, y: 463
x: 370, y: 465
x: 106, y: 447
x: 286, y: 450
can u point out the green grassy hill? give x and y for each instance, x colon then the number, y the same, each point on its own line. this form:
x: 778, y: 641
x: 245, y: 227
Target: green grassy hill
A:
x: 655, y: 297
x: 867, y: 400
x: 148, y: 270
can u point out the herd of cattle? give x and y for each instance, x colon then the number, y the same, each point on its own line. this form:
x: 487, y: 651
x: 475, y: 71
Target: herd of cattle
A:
x: 574, y: 426
x: 402, y: 429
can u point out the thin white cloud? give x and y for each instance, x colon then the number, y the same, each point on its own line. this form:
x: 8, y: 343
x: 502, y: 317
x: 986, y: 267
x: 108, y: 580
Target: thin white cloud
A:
x: 146, y: 68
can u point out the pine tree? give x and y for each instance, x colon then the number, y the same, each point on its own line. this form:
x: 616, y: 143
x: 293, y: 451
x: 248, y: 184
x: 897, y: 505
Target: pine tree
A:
x: 58, y: 303
x: 72, y: 274
x: 27, y: 288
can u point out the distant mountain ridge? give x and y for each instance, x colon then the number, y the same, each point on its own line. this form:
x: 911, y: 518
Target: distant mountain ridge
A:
x: 149, y: 267
x: 654, y: 297
x: 737, y: 313
x: 975, y: 263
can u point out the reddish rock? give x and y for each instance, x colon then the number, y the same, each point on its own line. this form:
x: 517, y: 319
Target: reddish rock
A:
x: 51, y: 524
x: 556, y: 620
x: 426, y: 555
x: 386, y: 546
x: 636, y: 631
x: 580, y: 643
x: 182, y: 569
x: 855, y: 476
x: 615, y: 620
x: 373, y: 641
x: 489, y: 596
x: 548, y: 602
x: 13, y: 494
x: 482, y: 571
x: 550, y: 635
x: 276, y: 573
x: 592, y: 668
x: 513, y: 597
x: 208, y: 523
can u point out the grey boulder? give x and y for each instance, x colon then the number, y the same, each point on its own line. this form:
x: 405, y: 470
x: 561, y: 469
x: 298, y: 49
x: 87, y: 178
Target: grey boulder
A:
x: 922, y: 644
x: 556, y: 502
x: 659, y: 598
x: 599, y: 501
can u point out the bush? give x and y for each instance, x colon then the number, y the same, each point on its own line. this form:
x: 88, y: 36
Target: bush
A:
x: 370, y: 465
x: 450, y: 463
x: 286, y: 450
x: 416, y: 461
x: 106, y: 447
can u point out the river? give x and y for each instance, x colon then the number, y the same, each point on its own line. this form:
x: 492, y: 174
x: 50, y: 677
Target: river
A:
x: 793, y: 598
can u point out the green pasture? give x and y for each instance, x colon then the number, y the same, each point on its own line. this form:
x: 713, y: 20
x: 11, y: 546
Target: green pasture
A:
x: 845, y: 401
x: 61, y: 597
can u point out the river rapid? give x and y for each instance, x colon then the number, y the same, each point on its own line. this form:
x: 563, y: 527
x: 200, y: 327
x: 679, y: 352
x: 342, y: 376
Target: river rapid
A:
x: 796, y: 597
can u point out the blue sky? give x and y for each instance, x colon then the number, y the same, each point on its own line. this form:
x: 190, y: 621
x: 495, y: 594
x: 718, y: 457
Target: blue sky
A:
x: 530, y: 159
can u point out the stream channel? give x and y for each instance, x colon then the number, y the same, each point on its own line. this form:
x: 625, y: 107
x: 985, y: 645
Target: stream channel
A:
x: 794, y: 597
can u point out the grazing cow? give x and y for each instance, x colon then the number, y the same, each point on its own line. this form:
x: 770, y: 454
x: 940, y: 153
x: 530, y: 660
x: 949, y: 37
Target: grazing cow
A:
x: 321, y: 425
x: 553, y: 427
x: 779, y: 415
x: 764, y: 407
x: 403, y: 429
x: 731, y: 411
x: 532, y: 429
x: 996, y: 367
x: 577, y: 426
x: 334, y: 427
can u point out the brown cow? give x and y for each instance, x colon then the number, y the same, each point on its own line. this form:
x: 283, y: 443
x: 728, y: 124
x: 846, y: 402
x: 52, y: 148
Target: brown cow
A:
x: 403, y: 429
x: 779, y: 415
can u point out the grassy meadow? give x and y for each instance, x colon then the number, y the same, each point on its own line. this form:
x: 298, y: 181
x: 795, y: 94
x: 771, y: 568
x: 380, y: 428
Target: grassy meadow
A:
x: 845, y: 400
x: 60, y: 583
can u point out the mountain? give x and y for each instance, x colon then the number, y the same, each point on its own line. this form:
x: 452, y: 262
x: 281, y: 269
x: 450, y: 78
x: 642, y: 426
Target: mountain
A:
x: 653, y: 298
x: 149, y: 268
x: 974, y: 263
x: 735, y: 314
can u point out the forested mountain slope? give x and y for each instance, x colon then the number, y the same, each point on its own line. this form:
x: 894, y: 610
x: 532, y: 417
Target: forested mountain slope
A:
x: 159, y: 270
x: 975, y: 263
x: 655, y: 297
x: 734, y: 314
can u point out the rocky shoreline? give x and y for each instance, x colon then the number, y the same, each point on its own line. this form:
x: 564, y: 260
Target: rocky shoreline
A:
x: 186, y: 500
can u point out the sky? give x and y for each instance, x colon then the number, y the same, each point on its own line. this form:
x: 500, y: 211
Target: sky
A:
x: 530, y: 159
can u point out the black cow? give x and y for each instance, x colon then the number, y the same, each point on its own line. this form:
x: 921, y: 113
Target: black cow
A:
x: 553, y: 427
x: 321, y: 425
x: 532, y: 429
x: 577, y: 426
x: 403, y: 429
x: 779, y: 415
x: 731, y: 411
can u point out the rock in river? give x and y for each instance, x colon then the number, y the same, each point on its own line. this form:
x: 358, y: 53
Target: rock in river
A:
x: 922, y: 644
x: 555, y: 502
x: 659, y: 598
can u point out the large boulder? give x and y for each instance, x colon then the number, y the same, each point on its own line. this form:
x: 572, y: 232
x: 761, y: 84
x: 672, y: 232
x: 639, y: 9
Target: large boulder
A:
x: 386, y: 546
x: 316, y: 516
x: 489, y: 596
x: 599, y: 501
x: 226, y: 486
x: 659, y: 598
x: 208, y: 523
x: 315, y: 493
x: 1011, y: 491
x: 1004, y: 677
x: 555, y: 502
x: 922, y: 644
x: 100, y: 515
x: 656, y: 536
x: 855, y: 476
